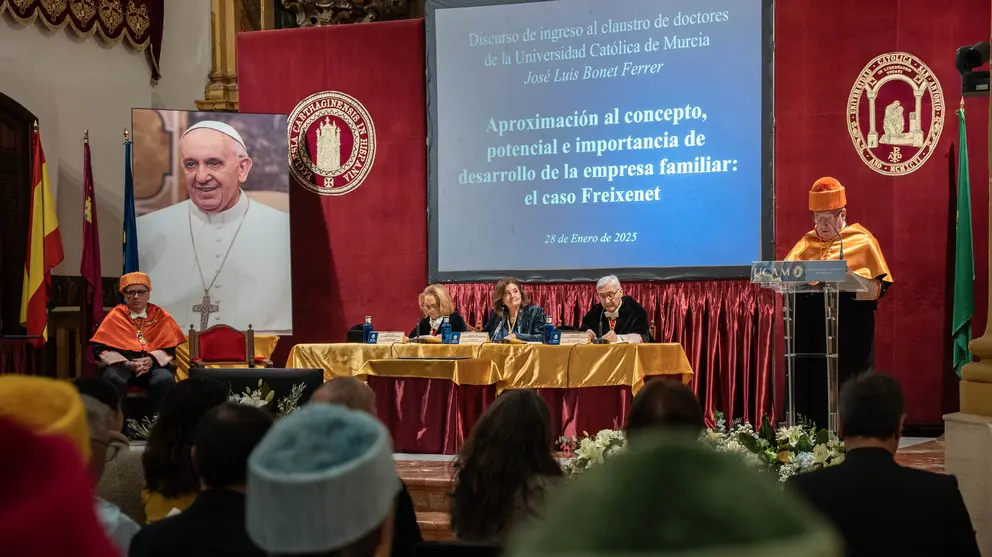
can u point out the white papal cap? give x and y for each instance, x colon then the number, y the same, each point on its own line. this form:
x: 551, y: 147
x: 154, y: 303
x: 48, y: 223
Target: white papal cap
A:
x: 321, y: 479
x: 223, y: 128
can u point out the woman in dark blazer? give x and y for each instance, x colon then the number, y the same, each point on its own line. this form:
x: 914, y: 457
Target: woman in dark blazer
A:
x: 513, y: 316
x: 435, y: 303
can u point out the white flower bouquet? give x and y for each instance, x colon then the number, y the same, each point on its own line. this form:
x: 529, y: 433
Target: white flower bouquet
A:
x: 785, y: 452
x: 259, y: 398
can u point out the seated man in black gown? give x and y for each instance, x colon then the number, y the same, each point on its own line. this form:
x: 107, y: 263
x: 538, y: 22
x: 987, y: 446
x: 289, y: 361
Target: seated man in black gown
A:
x: 137, y: 341
x: 617, y: 318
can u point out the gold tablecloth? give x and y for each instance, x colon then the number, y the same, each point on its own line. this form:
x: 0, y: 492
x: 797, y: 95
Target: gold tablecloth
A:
x: 471, y: 371
x: 517, y: 366
x: 530, y: 366
x: 337, y: 360
x: 265, y: 345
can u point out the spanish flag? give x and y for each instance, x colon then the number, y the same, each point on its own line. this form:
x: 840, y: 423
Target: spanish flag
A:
x: 44, y: 248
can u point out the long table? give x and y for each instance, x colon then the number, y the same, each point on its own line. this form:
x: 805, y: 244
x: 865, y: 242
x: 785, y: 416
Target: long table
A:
x: 430, y: 395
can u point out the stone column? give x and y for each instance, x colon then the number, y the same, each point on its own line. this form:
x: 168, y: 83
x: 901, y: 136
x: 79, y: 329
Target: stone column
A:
x: 227, y: 18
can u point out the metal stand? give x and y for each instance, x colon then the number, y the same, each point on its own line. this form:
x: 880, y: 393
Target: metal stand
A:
x: 831, y: 311
x: 788, y: 319
x: 826, y: 278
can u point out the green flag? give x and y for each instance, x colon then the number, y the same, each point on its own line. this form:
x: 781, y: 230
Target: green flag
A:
x: 964, y: 258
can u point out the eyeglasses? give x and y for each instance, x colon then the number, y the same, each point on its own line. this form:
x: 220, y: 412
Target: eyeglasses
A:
x: 135, y: 293
x: 608, y: 297
x: 431, y: 308
x: 826, y: 218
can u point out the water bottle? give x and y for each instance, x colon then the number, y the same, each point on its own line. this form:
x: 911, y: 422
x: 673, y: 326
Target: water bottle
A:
x: 367, y: 329
x: 445, y: 330
x: 549, y: 329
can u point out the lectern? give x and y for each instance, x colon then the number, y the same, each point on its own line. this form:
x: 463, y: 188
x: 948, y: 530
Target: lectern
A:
x: 825, y: 278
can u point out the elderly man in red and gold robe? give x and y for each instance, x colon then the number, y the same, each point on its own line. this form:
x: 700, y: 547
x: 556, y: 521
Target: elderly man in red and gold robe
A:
x: 832, y: 239
x: 137, y: 341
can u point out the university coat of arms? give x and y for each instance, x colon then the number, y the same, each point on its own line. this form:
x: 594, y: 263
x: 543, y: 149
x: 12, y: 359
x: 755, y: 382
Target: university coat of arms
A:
x: 895, y: 113
x: 331, y: 143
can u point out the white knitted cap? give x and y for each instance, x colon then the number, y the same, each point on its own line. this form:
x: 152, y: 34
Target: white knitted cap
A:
x: 223, y: 128
x: 320, y: 479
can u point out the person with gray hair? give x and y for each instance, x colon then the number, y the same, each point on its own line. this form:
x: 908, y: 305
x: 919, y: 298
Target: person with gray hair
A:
x: 323, y: 482
x: 117, y: 525
x: 617, y: 317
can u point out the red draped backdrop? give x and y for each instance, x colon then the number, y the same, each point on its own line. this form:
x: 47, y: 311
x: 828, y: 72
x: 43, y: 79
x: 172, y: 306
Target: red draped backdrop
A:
x: 820, y: 51
x: 366, y: 252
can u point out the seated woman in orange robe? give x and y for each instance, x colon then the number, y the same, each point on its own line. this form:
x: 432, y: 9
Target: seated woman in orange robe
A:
x: 137, y: 341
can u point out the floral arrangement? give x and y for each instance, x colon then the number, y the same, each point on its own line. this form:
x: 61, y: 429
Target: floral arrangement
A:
x: 259, y: 398
x: 784, y: 452
x: 144, y: 428
x: 590, y: 451
x: 263, y: 395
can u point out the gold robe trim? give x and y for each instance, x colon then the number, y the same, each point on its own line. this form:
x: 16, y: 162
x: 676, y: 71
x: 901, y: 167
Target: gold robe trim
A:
x: 861, y: 251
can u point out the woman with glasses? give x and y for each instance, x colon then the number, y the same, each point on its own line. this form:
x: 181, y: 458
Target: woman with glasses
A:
x: 617, y: 317
x: 136, y: 342
x: 435, y: 303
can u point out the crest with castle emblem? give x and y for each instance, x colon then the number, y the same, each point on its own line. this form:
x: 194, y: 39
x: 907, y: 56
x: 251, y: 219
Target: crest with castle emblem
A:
x: 331, y: 143
x: 895, y: 113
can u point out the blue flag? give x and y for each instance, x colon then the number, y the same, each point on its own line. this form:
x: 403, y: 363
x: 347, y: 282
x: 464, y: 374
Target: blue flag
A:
x: 130, y: 240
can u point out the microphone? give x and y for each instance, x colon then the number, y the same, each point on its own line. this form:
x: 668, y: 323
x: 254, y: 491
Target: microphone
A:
x: 599, y: 339
x: 840, y: 238
x: 499, y: 327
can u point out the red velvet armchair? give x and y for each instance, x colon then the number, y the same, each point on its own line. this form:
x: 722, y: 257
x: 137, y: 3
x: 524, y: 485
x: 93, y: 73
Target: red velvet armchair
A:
x: 225, y: 345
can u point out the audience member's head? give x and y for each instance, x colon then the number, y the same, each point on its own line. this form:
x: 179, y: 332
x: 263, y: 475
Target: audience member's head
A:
x: 167, y: 461
x: 666, y: 405
x: 346, y: 391
x: 105, y: 393
x: 46, y: 498
x: 223, y: 442
x: 871, y: 410
x: 508, y: 449
x: 97, y: 417
x: 671, y: 495
x: 46, y: 406
x: 323, y: 482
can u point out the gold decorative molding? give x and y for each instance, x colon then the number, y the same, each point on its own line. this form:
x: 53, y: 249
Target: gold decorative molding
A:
x: 229, y: 17
x: 316, y: 13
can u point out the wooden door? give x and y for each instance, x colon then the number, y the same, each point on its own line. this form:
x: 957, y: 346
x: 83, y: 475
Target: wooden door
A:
x: 16, y: 124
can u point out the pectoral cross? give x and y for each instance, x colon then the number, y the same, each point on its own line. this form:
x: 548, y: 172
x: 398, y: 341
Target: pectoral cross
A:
x: 204, y: 308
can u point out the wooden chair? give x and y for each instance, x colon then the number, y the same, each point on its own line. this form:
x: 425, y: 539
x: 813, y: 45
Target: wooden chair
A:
x: 223, y: 344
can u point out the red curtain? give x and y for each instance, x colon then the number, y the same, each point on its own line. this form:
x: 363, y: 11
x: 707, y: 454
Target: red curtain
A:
x: 725, y: 327
x: 819, y: 52
x: 18, y: 356
x: 365, y: 252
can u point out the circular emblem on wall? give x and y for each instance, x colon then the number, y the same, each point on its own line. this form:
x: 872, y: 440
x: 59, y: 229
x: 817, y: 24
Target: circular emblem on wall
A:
x: 331, y: 143
x: 895, y: 113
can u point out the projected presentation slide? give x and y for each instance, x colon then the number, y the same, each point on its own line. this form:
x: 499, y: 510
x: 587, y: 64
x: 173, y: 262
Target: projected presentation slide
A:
x: 569, y: 137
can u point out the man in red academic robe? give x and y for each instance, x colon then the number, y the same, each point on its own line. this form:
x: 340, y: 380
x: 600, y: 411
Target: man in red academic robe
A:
x: 137, y: 341
x: 833, y: 239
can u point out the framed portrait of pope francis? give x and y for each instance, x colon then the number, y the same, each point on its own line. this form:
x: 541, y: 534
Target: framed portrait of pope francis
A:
x: 212, y: 204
